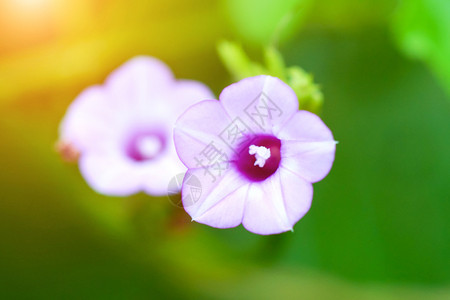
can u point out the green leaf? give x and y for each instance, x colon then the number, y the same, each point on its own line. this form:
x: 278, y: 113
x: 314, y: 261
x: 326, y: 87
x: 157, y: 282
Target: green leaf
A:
x: 261, y: 22
x: 422, y: 31
x: 240, y: 66
x: 275, y: 63
x: 309, y: 95
x: 236, y: 61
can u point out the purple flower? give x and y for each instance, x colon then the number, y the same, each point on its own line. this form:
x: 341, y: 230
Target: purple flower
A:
x: 123, y: 129
x: 255, y: 156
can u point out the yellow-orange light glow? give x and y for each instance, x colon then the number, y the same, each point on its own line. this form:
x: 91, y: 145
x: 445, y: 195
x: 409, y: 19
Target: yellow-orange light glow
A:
x: 24, y: 23
x: 21, y: 8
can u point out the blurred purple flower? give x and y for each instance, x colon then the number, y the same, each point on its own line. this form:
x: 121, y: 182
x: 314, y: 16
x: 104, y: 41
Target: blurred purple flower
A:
x: 123, y: 129
x: 255, y: 154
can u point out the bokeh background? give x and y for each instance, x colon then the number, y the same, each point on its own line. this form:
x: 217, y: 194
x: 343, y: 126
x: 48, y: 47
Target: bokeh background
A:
x: 379, y: 226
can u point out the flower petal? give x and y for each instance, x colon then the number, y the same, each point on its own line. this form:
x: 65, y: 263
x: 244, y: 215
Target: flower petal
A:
x: 186, y: 93
x: 265, y: 211
x: 114, y: 174
x: 110, y: 174
x: 228, y: 212
x: 297, y: 195
x: 138, y: 77
x: 216, y: 202
x: 170, y: 104
x: 201, y: 126
x: 310, y: 160
x: 156, y: 174
x: 262, y: 102
x: 304, y: 126
x: 276, y: 204
x: 89, y: 121
x: 141, y: 86
x: 308, y: 146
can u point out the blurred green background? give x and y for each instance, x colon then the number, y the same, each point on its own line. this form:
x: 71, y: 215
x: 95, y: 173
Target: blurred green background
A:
x: 379, y: 225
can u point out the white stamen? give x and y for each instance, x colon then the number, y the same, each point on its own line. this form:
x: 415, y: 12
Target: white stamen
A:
x: 261, y: 154
x: 149, y: 146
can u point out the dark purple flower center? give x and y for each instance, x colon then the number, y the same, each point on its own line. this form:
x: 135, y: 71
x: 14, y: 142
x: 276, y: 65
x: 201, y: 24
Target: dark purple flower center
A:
x: 259, y: 157
x: 145, y: 145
